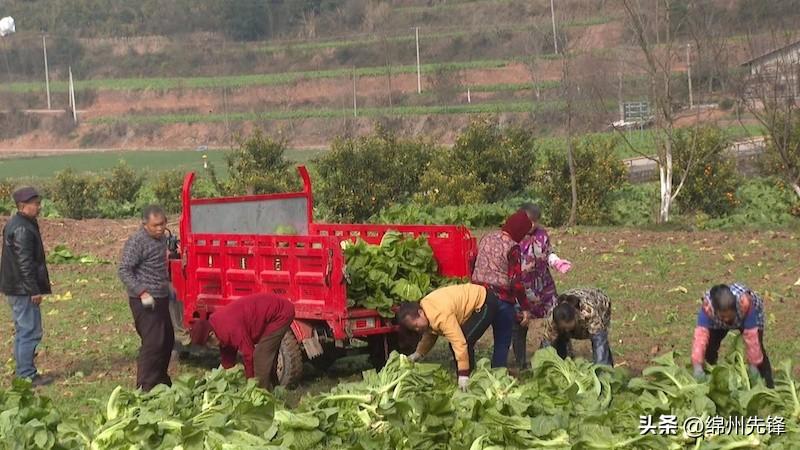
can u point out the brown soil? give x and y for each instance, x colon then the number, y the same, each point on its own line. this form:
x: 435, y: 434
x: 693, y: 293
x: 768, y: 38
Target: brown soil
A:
x: 103, y: 238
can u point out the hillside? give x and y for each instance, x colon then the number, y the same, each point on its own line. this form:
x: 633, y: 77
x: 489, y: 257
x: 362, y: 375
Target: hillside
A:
x: 153, y: 75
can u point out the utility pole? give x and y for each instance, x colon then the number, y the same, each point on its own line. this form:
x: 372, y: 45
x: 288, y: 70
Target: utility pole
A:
x: 46, y: 71
x: 621, y: 103
x: 419, y: 71
x: 355, y: 99
x: 689, y: 73
x: 553, y: 17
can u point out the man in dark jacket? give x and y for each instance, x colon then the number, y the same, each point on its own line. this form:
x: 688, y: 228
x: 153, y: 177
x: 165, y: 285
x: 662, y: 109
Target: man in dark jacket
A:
x: 143, y: 270
x: 24, y: 280
x: 253, y: 326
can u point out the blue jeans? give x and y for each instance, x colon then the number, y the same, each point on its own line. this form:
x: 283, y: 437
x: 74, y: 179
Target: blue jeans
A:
x: 502, y: 329
x: 28, y: 333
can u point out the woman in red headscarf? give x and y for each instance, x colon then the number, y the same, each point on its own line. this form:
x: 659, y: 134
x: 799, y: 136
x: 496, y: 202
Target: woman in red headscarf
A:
x: 499, y: 269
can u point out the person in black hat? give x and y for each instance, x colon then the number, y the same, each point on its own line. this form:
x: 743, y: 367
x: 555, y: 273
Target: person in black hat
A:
x: 24, y: 280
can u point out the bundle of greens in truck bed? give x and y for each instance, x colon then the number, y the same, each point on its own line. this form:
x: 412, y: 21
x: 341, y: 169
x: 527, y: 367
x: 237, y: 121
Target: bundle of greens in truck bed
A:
x: 399, y: 269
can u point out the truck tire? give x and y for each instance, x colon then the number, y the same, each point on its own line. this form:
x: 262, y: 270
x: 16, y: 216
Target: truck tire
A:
x: 290, y: 361
x: 328, y: 357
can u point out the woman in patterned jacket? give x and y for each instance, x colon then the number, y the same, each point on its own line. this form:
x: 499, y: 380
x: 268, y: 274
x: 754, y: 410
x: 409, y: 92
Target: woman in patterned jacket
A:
x: 583, y: 313
x: 538, y: 256
x: 498, y: 268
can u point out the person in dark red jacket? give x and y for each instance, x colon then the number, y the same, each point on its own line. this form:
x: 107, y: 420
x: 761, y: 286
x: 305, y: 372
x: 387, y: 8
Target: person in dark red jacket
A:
x: 252, y: 326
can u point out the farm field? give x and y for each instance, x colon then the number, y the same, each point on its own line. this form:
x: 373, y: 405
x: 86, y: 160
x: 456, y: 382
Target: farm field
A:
x: 654, y: 278
x: 144, y: 160
x: 46, y: 166
x: 234, y: 81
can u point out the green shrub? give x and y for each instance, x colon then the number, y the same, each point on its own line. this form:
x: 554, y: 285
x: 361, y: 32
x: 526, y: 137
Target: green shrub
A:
x: 259, y: 166
x: 761, y: 202
x: 246, y: 20
x: 782, y: 156
x: 633, y: 205
x: 76, y: 196
x: 599, y: 173
x: 726, y: 104
x: 711, y: 182
x: 121, y: 184
x: 487, y: 164
x: 166, y: 189
x: 480, y: 215
x: 118, y: 191
x: 360, y: 176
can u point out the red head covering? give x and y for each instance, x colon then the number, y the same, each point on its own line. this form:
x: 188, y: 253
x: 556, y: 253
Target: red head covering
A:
x: 518, y: 225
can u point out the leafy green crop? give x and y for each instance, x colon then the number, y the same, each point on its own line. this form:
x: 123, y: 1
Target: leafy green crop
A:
x: 399, y: 269
x: 62, y: 255
x: 560, y: 404
x: 210, y: 412
x: 27, y: 421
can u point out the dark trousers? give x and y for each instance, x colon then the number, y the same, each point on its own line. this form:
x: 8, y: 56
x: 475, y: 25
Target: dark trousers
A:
x: 503, y: 329
x: 520, y: 346
x: 265, y: 357
x: 601, y: 349
x: 477, y: 324
x: 154, y: 327
x: 712, y: 354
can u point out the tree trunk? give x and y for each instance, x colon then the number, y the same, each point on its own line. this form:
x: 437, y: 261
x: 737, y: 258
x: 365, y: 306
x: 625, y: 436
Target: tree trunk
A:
x: 796, y: 188
x: 665, y: 181
x: 573, y: 179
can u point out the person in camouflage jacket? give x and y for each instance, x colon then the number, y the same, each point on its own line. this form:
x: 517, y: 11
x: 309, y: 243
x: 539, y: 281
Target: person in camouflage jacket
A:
x: 583, y: 313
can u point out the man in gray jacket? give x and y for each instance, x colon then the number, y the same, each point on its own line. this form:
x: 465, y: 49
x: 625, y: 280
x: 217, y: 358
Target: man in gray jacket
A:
x: 24, y: 280
x: 145, y: 274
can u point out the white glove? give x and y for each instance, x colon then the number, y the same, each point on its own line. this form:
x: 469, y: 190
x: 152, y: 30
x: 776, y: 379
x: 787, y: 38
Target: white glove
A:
x: 414, y: 357
x: 463, y: 382
x: 148, y: 301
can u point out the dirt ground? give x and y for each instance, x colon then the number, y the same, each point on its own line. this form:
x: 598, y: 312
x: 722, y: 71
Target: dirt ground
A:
x: 654, y: 278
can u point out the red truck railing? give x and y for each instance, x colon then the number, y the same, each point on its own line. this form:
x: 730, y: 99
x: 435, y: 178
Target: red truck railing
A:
x: 229, y: 249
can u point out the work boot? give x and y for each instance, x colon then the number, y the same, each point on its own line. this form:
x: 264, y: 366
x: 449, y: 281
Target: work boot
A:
x: 39, y: 381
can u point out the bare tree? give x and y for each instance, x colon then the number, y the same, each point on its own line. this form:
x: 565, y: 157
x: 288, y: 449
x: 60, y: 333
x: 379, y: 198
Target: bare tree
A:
x: 568, y: 90
x: 659, y: 63
x: 770, y: 91
x: 705, y: 23
x: 536, y: 46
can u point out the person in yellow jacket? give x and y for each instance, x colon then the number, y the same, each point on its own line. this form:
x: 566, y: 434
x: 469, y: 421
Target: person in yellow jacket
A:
x: 461, y: 313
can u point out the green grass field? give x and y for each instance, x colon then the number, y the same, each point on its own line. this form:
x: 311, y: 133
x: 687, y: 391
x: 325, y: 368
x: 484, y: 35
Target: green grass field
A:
x: 46, y: 166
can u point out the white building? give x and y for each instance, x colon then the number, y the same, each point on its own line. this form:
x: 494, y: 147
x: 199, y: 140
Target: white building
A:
x: 777, y: 69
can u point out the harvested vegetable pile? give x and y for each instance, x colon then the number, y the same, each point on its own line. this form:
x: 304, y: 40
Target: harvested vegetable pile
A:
x: 399, y: 269
x: 62, y: 255
x: 561, y: 404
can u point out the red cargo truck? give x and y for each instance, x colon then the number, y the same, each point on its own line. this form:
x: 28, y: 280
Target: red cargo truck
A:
x: 229, y: 248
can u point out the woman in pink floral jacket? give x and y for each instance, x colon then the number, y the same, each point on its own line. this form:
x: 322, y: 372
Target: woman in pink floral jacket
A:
x: 538, y: 256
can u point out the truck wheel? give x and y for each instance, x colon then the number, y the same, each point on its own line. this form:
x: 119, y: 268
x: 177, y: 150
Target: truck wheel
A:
x: 290, y: 361
x: 329, y: 356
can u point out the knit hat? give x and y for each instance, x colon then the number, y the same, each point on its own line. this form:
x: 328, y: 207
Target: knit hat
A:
x: 518, y: 225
